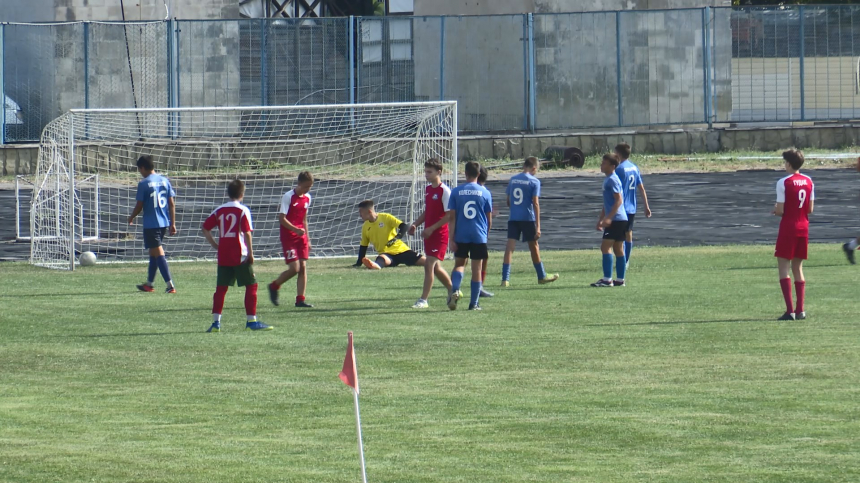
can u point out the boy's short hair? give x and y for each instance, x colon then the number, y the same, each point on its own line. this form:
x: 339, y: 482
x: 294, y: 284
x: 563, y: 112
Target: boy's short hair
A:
x: 531, y: 162
x: 623, y: 150
x: 146, y: 162
x: 483, y: 174
x: 366, y: 204
x: 306, y: 176
x: 433, y: 163
x: 236, y: 189
x: 473, y: 169
x: 794, y: 157
x: 612, y: 158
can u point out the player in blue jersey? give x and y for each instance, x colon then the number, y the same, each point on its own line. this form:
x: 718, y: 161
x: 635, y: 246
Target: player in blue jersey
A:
x: 613, y: 222
x: 631, y: 180
x: 155, y: 197
x: 469, y: 220
x: 524, y: 220
x: 482, y: 180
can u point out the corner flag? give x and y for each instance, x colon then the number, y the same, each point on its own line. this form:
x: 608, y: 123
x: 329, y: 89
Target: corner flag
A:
x: 349, y: 374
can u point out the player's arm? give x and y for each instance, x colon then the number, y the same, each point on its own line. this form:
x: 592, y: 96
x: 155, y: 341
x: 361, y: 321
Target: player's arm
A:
x: 600, y: 218
x: 415, y: 224
x: 210, y: 238
x: 248, y: 237
x: 536, y: 203
x: 401, y: 231
x: 171, y: 208
x: 645, y: 199
x: 282, y: 218
x: 452, y: 227
x: 448, y: 218
x: 779, y: 207
x: 305, y: 231
x: 619, y: 201
x: 136, y: 211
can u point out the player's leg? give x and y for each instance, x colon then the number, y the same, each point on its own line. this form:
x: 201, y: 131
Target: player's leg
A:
x: 475, y: 286
x: 226, y: 276
x: 628, y: 238
x: 161, y: 260
x: 246, y: 278
x: 784, y: 266
x: 301, y: 284
x: 484, y: 292
x: 380, y: 262
x: 620, y: 263
x: 849, y: 249
x: 606, y: 247
x: 460, y: 257
x: 543, y: 277
x: 513, y: 236
x: 429, y: 264
x: 151, y: 244
x: 800, y: 253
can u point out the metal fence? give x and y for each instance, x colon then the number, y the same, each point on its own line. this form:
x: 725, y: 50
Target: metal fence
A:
x: 509, y: 73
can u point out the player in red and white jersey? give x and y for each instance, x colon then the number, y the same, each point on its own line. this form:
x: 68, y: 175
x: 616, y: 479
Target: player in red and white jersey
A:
x: 293, y: 219
x: 795, y: 195
x: 436, y: 243
x: 235, y: 255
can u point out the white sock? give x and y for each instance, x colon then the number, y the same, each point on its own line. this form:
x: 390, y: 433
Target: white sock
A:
x: 252, y: 318
x: 216, y: 317
x: 852, y: 244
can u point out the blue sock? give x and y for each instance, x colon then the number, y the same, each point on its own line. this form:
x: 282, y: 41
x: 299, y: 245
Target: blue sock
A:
x: 607, y: 266
x: 456, y: 280
x: 621, y: 267
x: 541, y: 273
x: 475, y: 294
x: 628, y: 247
x: 165, y: 270
x: 153, y: 267
x: 506, y: 272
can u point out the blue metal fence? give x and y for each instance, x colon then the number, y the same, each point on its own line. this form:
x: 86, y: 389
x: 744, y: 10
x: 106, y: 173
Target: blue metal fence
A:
x: 509, y: 73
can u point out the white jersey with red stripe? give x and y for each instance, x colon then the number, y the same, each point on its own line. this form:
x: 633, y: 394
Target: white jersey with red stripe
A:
x: 795, y: 191
x: 232, y: 219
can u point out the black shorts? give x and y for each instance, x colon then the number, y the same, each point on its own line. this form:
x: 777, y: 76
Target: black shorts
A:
x: 243, y: 274
x: 524, y: 230
x: 407, y: 258
x: 475, y: 251
x: 616, y: 231
x: 152, y: 237
x: 630, y: 217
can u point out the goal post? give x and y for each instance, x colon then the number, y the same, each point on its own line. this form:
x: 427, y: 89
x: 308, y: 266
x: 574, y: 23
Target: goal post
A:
x: 86, y: 177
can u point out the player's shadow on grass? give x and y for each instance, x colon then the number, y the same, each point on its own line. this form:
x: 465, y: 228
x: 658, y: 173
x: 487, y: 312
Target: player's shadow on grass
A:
x: 679, y: 322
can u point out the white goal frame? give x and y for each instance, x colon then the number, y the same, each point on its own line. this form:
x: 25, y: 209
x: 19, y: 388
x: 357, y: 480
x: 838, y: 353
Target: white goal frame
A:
x: 57, y: 181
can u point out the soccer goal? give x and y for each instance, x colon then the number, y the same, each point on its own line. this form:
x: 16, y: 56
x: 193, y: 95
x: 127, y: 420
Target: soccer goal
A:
x: 86, y: 178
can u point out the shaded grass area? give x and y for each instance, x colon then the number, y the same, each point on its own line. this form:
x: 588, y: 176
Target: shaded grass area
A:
x: 683, y: 375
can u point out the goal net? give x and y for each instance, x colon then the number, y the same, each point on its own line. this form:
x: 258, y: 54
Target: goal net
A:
x: 86, y: 177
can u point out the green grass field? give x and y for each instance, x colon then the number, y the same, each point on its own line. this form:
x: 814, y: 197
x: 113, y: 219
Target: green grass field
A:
x: 681, y: 376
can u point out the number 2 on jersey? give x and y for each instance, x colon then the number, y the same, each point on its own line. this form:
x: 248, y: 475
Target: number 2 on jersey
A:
x: 518, y: 196
x: 229, y: 232
x: 801, y: 196
x: 632, y: 179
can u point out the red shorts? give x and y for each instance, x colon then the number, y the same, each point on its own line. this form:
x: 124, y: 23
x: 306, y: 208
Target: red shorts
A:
x: 295, y: 248
x: 436, y: 244
x: 791, y: 246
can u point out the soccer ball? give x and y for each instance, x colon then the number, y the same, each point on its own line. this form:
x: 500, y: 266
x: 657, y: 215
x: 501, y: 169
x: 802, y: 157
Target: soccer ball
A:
x: 87, y: 259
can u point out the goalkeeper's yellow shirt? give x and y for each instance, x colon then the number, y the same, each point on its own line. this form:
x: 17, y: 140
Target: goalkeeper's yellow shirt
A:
x: 379, y: 232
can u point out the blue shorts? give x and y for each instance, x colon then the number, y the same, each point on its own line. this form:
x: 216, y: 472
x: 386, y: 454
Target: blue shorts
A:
x: 525, y: 230
x: 152, y: 237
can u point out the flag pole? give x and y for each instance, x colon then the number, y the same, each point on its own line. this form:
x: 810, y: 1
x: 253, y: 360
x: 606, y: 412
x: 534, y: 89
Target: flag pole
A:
x: 360, y: 445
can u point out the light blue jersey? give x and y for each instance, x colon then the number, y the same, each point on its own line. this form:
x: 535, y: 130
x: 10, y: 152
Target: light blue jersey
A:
x: 630, y: 178
x: 153, y: 191
x: 612, y: 185
x: 473, y: 203
x: 522, y: 189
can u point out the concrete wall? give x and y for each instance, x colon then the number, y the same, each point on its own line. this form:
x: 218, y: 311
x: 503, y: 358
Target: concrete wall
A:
x: 495, y: 7
x: 72, y: 10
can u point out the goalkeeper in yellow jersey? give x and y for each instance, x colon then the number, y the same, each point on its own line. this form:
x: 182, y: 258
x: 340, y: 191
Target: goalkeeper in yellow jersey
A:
x: 385, y: 232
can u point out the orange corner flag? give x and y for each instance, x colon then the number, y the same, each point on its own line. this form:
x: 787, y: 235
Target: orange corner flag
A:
x: 349, y: 374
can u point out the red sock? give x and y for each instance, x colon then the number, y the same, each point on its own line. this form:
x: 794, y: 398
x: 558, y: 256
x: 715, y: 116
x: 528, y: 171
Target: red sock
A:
x: 251, y: 299
x: 785, y: 285
x: 218, y: 299
x: 800, y: 288
x: 483, y: 276
x: 300, y: 298
x: 275, y: 285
